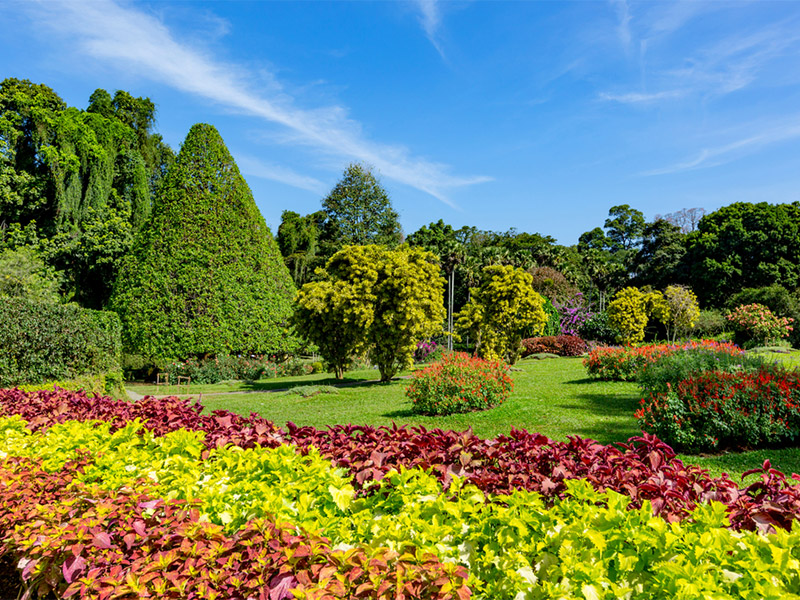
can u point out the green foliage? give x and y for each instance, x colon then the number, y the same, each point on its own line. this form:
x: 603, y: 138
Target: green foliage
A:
x: 744, y: 246
x: 359, y: 211
x: 659, y: 261
x: 83, y: 179
x: 42, y: 342
x: 502, y: 311
x: 598, y: 329
x: 299, y: 242
x: 625, y: 226
x: 23, y: 274
x: 515, y: 545
x: 684, y: 310
x: 627, y: 313
x: 553, y: 325
x: 710, y: 323
x: 205, y: 276
x: 372, y: 299
x: 458, y: 383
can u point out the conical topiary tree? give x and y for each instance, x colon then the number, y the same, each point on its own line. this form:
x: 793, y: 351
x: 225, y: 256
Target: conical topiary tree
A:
x: 205, y: 276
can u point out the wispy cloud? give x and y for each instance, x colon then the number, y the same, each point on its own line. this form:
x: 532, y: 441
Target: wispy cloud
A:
x: 252, y: 166
x: 712, y: 68
x: 624, y: 26
x: 642, y: 98
x: 124, y: 37
x: 719, y: 155
x: 430, y: 18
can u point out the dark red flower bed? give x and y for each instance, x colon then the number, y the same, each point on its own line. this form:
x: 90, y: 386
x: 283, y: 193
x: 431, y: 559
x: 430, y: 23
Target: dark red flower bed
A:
x: 644, y: 469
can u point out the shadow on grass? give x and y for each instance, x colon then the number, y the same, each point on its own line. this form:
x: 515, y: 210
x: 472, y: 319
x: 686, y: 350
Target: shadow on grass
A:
x: 588, y: 381
x: 619, y: 421
x: 400, y: 413
x: 281, y: 383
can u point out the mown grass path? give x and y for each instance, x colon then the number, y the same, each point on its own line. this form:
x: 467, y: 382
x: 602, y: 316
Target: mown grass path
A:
x: 553, y: 396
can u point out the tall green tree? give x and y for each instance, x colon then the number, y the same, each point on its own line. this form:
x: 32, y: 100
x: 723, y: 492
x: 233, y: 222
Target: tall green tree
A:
x: 372, y: 299
x: 625, y: 226
x: 299, y: 242
x: 659, y: 261
x: 72, y: 174
x: 359, y: 211
x: 205, y: 276
x: 744, y: 245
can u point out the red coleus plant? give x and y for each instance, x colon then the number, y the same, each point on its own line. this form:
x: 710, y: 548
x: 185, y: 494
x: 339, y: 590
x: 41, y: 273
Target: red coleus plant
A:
x: 79, y: 541
x: 644, y: 469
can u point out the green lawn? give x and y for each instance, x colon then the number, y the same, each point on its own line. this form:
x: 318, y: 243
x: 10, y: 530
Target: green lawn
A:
x: 261, y: 385
x: 552, y: 396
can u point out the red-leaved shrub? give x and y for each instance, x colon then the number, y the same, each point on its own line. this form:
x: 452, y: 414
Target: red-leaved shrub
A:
x: 562, y: 345
x: 644, y: 469
x: 459, y: 383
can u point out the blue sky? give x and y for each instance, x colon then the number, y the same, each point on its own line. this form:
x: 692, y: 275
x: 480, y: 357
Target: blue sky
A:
x: 534, y: 115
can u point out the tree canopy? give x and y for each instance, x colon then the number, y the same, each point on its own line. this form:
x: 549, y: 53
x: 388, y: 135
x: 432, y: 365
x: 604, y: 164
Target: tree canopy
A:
x: 372, y: 299
x: 82, y: 181
x: 205, y: 276
x: 359, y: 211
x: 744, y: 245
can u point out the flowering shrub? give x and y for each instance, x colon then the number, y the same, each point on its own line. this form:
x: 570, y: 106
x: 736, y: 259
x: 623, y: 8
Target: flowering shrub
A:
x: 575, y: 313
x: 427, y: 350
x: 757, y: 325
x: 459, y: 383
x: 715, y: 410
x: 624, y: 363
x: 669, y: 369
x: 563, y: 345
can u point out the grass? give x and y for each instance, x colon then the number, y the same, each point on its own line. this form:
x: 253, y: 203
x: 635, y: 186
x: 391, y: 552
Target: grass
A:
x: 553, y: 397
x: 262, y: 385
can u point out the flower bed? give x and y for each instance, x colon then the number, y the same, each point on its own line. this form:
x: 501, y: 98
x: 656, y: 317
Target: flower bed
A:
x: 359, y: 512
x: 458, y: 383
x: 624, y: 363
x: 714, y: 410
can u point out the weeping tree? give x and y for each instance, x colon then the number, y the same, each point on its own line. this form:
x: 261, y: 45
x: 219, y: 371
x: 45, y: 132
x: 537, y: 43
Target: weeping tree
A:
x: 81, y: 181
x: 205, y: 276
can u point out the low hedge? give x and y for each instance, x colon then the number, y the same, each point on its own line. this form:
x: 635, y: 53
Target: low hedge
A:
x: 55, y: 342
x: 561, y: 345
x: 714, y: 410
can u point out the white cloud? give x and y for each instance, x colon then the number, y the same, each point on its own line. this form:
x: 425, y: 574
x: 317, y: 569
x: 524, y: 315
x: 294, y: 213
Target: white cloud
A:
x: 624, y: 26
x: 725, y: 153
x: 141, y: 43
x: 430, y: 18
x: 641, y: 98
x: 252, y: 166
